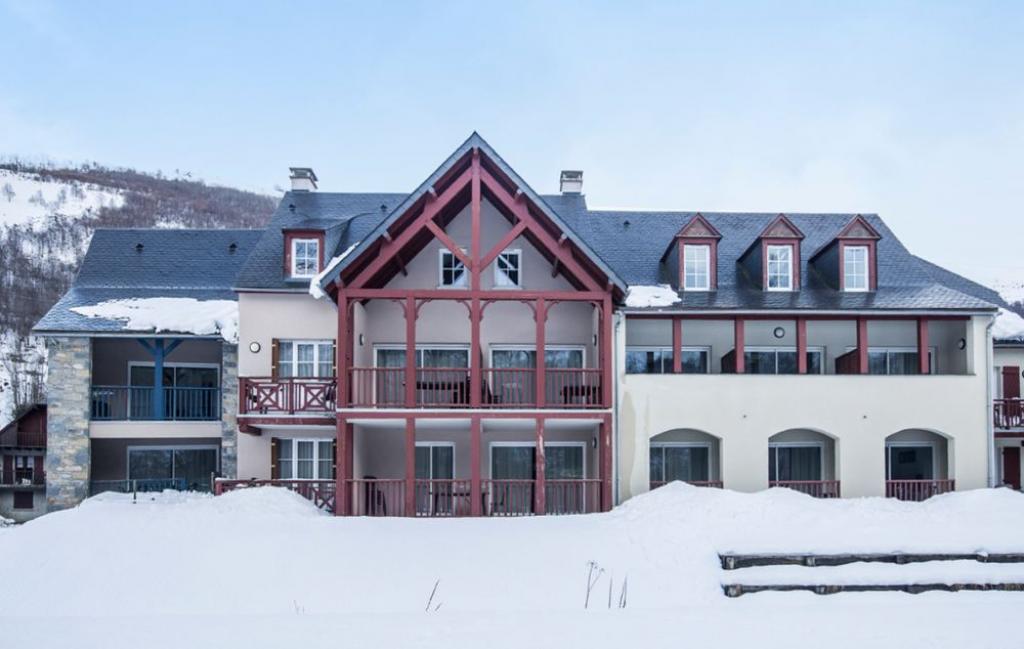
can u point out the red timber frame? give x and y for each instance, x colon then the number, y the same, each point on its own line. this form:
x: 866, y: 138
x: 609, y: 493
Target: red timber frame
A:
x: 859, y: 232
x: 471, y: 179
x: 781, y: 232
x: 858, y: 357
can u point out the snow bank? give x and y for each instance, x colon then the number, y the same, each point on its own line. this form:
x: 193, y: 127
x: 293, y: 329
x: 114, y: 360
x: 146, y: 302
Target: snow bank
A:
x: 261, y: 567
x: 661, y: 295
x: 314, y: 284
x: 174, y: 314
x: 1009, y: 326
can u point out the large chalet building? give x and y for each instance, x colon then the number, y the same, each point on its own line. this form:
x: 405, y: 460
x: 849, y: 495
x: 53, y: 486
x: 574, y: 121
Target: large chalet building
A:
x: 474, y: 348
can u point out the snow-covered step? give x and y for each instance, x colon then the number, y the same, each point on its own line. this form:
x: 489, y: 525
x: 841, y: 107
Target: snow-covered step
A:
x: 962, y: 574
x: 740, y: 561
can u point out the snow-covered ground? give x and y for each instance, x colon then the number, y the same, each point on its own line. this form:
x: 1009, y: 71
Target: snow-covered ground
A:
x: 263, y: 568
x: 28, y: 199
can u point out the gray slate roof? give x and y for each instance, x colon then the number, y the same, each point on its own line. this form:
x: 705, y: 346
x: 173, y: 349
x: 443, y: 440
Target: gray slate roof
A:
x: 171, y: 263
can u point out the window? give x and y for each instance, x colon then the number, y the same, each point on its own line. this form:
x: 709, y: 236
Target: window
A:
x: 794, y: 462
x: 855, y: 268
x: 897, y: 361
x: 23, y: 469
x: 508, y: 269
x: 305, y: 459
x: 452, y: 271
x: 658, y: 360
x: 515, y: 461
x: 696, y: 267
x: 780, y: 268
x: 305, y: 257
x: 305, y: 358
x: 456, y: 357
x: 779, y: 360
x: 192, y: 464
x: 436, y: 461
x: 24, y: 500
x: 911, y: 461
x: 686, y: 462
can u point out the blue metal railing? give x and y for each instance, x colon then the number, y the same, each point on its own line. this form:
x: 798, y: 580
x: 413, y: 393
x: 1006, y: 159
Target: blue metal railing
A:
x: 132, y: 403
x: 136, y: 486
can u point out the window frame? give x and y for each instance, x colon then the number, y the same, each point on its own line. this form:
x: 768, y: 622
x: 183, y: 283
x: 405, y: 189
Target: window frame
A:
x: 293, y: 245
x: 706, y: 269
x: 889, y: 445
x: 933, y: 353
x: 167, y: 447
x: 498, y: 273
x: 464, y: 283
x: 293, y: 460
x: 777, y: 445
x: 419, y: 349
x: 769, y: 348
x: 294, y: 362
x: 492, y: 445
x: 867, y: 268
x: 505, y: 347
x: 706, y: 349
x: 664, y: 445
x: 791, y: 249
x: 431, y: 445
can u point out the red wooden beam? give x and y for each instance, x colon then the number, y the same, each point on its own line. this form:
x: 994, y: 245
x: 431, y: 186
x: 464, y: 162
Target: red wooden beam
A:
x: 505, y: 242
x: 341, y: 347
x: 526, y: 414
x: 475, y: 492
x: 476, y: 314
x: 922, y: 346
x: 475, y: 207
x: 607, y: 345
x: 388, y: 250
x: 410, y: 466
x: 456, y: 294
x: 341, y: 473
x: 539, y: 504
x: 677, y: 345
x: 410, y: 352
x: 443, y: 237
x: 606, y: 462
x: 540, y: 315
x: 862, y: 345
x: 801, y: 346
x: 738, y: 335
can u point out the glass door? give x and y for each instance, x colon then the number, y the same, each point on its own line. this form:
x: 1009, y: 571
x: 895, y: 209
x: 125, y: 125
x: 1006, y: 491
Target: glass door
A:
x: 435, y: 463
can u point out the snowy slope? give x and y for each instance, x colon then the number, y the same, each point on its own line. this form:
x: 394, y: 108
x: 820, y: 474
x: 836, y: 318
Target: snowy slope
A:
x: 263, y: 568
x: 28, y: 199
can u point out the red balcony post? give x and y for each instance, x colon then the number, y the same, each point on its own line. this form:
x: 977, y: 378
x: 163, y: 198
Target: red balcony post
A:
x: 539, y: 495
x: 606, y: 347
x: 605, y: 453
x: 862, y: 345
x: 801, y: 345
x: 410, y: 466
x: 475, y: 354
x: 410, y: 352
x: 541, y: 315
x: 922, y: 346
x: 341, y: 351
x: 342, y: 469
x: 475, y: 494
x: 677, y: 345
x: 738, y: 332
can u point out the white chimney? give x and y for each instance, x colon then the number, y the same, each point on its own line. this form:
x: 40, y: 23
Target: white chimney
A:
x: 303, y: 179
x: 571, y: 182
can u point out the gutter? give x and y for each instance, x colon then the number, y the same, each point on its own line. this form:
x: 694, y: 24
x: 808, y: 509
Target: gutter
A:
x: 990, y: 397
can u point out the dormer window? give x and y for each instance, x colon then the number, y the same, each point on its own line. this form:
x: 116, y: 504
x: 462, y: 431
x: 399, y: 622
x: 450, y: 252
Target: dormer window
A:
x: 305, y: 257
x: 856, y: 271
x: 696, y: 267
x: 779, y: 268
x: 451, y: 270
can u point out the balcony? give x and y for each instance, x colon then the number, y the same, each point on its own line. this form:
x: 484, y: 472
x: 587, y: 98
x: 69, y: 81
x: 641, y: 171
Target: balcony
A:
x: 1008, y: 414
x: 570, y: 388
x: 815, y: 488
x: 287, y: 396
x: 23, y: 439
x: 917, y: 490
x: 23, y: 478
x: 133, y: 403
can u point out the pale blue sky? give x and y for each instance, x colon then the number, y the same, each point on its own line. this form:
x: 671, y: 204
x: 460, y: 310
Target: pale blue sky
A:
x: 915, y: 111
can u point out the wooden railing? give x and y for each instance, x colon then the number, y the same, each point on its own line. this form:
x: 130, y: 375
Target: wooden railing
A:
x: 449, y: 387
x: 377, y: 497
x: 1008, y: 413
x: 24, y: 438
x: 267, y: 395
x: 816, y: 488
x: 135, y: 403
x: 320, y: 492
x: 508, y: 497
x: 572, y: 496
x: 714, y: 484
x: 23, y: 477
x: 917, y: 490
x: 443, y: 497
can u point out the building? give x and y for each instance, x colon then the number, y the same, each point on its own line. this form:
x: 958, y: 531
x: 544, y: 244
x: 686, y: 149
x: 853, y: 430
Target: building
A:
x: 378, y: 353
x: 22, y: 477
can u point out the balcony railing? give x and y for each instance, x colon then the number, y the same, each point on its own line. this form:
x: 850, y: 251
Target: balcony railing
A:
x: 816, y: 488
x: 132, y: 403
x: 1008, y: 413
x: 714, y: 484
x: 917, y: 490
x: 383, y: 387
x: 269, y: 395
x: 23, y: 439
x: 23, y: 478
x: 320, y: 492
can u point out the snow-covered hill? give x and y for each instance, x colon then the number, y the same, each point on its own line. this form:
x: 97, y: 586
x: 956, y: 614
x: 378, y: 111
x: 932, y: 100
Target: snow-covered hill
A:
x: 47, y: 216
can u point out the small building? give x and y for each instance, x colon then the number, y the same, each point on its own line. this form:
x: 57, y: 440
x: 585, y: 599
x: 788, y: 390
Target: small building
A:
x: 22, y: 476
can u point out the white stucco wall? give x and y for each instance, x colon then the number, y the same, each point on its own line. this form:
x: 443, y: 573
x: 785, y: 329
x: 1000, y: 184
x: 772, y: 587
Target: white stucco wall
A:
x: 858, y: 412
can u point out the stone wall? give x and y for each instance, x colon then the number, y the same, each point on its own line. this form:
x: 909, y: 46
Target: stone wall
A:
x: 229, y: 411
x: 68, y: 377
